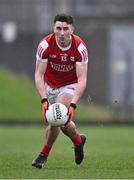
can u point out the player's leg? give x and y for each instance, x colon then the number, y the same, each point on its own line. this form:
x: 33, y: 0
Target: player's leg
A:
x: 50, y: 137
x: 70, y: 130
x: 65, y: 99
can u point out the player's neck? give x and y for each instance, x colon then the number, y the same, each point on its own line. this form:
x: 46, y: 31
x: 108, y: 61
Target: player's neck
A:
x: 64, y: 46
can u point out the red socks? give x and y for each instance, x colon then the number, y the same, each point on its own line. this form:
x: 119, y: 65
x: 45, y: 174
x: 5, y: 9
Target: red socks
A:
x: 45, y: 149
x: 76, y: 139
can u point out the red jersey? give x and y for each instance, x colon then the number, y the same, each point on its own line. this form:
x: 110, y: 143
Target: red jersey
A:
x: 61, y: 62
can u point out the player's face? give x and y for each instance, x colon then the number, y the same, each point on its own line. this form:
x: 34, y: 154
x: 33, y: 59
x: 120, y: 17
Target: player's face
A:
x: 63, y: 33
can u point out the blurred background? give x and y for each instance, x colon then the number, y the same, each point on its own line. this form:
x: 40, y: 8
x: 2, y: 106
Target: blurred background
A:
x: 107, y: 27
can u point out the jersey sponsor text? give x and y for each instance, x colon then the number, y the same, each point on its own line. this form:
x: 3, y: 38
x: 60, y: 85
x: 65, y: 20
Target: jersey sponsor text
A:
x: 61, y: 67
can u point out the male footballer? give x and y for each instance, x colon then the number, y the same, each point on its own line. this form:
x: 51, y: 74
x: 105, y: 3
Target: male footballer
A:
x: 61, y: 76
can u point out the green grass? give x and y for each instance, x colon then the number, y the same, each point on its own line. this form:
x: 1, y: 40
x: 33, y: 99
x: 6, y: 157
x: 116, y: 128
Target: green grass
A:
x: 18, y: 97
x: 109, y: 153
x: 19, y: 101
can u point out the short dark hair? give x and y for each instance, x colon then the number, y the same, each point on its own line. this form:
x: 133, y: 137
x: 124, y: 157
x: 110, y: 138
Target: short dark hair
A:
x: 64, y: 18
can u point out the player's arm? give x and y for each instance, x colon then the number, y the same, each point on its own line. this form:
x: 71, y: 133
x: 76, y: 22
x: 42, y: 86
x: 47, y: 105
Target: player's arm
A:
x: 39, y: 78
x: 39, y: 82
x: 81, y: 71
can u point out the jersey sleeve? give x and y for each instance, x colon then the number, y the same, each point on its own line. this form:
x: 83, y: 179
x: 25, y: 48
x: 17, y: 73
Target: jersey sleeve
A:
x: 82, y: 54
x: 42, y: 51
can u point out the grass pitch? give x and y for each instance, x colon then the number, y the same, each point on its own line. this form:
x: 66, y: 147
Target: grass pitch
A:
x: 109, y: 153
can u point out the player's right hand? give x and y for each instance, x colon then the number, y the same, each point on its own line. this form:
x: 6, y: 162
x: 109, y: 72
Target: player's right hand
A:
x: 45, y: 105
x: 71, y: 111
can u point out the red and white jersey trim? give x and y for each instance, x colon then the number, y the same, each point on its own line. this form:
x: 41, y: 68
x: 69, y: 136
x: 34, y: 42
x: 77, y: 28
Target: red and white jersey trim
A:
x: 83, y: 51
x: 41, y: 48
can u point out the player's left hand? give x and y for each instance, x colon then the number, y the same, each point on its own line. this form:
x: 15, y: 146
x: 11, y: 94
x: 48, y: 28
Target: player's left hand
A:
x: 71, y: 111
x: 45, y: 105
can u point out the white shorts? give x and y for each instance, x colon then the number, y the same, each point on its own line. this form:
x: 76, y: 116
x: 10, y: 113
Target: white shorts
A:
x: 54, y: 93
